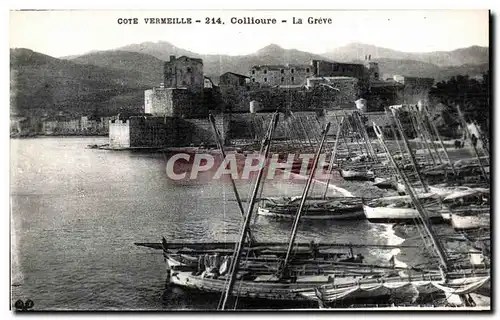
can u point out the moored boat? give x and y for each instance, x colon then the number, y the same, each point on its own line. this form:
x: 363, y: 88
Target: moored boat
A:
x: 351, y: 174
x: 400, y: 208
x: 471, y: 220
x: 385, y: 183
x: 315, y: 209
x: 331, y: 287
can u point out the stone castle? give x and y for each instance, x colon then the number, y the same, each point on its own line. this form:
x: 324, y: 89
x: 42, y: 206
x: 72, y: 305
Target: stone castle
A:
x: 176, y: 112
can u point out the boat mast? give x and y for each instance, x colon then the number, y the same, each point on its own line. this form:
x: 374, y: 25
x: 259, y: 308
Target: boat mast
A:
x: 261, y: 186
x: 420, y: 131
x: 303, y: 200
x: 391, y: 123
x: 420, y: 117
x: 353, y: 134
x: 408, y: 148
x: 423, y: 216
x: 469, y: 136
x: 433, y: 125
x: 343, y: 136
x: 246, y: 223
x: 333, y: 156
x: 220, y: 144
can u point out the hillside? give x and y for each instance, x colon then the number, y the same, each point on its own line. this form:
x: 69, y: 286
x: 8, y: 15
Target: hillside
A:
x: 112, y: 81
x: 438, y: 65
x: 217, y: 64
x: 41, y: 84
x: 415, y: 68
x: 357, y: 51
x: 141, y: 66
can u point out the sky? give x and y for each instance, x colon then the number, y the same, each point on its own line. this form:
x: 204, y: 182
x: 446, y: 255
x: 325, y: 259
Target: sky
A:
x: 62, y: 33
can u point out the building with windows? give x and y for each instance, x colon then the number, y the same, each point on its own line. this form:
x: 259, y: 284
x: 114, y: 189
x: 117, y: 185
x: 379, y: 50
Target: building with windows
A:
x: 184, y: 73
x: 280, y: 75
x: 322, y: 68
x: 232, y: 79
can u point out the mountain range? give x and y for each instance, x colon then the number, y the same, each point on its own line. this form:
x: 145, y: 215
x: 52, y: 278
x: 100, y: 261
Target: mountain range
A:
x: 112, y: 81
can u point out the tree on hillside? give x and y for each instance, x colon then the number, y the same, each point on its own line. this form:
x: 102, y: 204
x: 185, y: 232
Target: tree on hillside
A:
x: 471, y: 95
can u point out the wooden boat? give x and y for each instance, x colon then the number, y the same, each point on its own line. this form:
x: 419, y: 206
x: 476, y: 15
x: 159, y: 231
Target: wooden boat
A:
x: 332, y: 287
x: 468, y: 196
x: 400, y: 208
x: 385, y: 183
x: 471, y: 220
x: 464, y: 171
x: 187, y: 254
x: 351, y: 174
x: 403, y: 289
x: 257, y: 256
x: 296, y: 278
x: 315, y: 208
x: 470, y: 208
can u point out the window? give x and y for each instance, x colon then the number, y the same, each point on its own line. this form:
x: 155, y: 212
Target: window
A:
x: 188, y: 69
x: 170, y: 70
x: 265, y: 79
x: 292, y: 71
x: 253, y: 79
x: 282, y: 79
x: 336, y: 67
x: 265, y: 71
x: 282, y: 70
x: 253, y: 71
x: 307, y: 70
x: 293, y: 79
x: 183, y: 82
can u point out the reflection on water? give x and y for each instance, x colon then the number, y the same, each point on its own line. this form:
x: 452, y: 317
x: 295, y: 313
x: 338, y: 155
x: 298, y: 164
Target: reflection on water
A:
x: 76, y: 213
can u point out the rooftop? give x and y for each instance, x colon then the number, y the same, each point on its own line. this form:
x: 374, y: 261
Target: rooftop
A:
x: 281, y: 66
x: 235, y: 74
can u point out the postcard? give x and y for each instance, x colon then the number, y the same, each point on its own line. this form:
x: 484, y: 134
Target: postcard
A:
x: 221, y: 160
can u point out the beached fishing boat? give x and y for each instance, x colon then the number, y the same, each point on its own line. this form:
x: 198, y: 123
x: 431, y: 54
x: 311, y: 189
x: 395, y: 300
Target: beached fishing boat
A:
x: 470, y: 208
x: 400, y: 208
x: 385, y: 183
x: 338, y: 208
x: 351, y: 174
x: 471, y: 220
x: 468, y: 196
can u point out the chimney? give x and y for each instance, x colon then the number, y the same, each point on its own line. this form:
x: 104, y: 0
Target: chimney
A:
x: 369, y: 57
x: 172, y: 58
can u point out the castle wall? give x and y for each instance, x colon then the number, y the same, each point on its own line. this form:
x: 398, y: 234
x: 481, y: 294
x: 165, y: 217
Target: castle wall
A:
x: 334, y: 69
x: 198, y: 131
x: 274, y: 75
x: 119, y: 134
x: 296, y: 126
x: 171, y: 102
x: 299, y: 99
x: 152, y: 132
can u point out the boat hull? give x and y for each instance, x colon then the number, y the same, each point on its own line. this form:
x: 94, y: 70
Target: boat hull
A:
x: 313, y: 215
x: 466, y: 222
x: 350, y: 175
x: 387, y: 214
x: 316, y: 288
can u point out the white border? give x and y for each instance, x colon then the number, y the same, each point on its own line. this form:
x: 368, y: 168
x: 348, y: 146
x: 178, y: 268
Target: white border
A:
x: 214, y: 4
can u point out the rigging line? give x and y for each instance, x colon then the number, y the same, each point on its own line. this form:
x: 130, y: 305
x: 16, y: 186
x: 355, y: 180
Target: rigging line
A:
x: 250, y: 208
x: 415, y: 220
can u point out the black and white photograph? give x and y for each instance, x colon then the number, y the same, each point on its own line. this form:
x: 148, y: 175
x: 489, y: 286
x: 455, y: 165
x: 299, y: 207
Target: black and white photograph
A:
x: 255, y: 160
